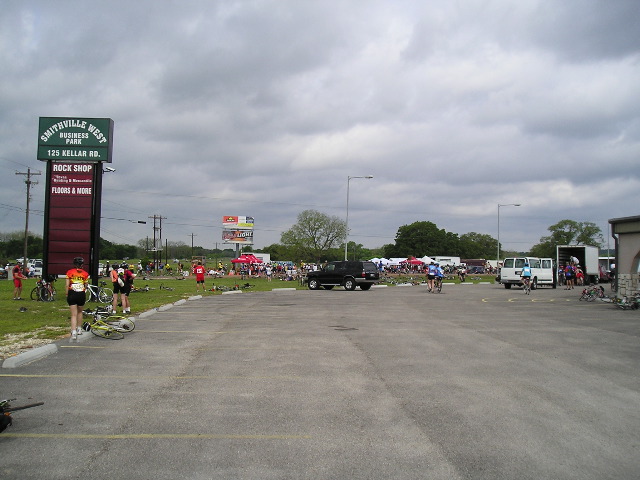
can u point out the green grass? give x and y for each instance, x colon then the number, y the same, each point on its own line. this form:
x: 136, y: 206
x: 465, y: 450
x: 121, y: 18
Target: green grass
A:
x: 51, y: 319
x: 39, y: 315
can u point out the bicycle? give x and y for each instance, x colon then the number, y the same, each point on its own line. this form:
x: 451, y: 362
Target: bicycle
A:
x: 44, y: 291
x: 591, y: 293
x: 105, y: 325
x: 526, y: 285
x: 438, y: 284
x: 100, y: 293
x: 6, y: 409
x: 629, y: 303
x: 104, y: 315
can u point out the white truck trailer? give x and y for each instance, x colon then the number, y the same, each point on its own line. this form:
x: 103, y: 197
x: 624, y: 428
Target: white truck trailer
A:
x: 586, y: 256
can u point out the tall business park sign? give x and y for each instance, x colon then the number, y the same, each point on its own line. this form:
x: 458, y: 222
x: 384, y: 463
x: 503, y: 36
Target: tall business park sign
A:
x: 74, y: 149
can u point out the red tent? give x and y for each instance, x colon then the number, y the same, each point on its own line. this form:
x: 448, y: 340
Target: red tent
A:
x: 412, y: 261
x: 246, y: 258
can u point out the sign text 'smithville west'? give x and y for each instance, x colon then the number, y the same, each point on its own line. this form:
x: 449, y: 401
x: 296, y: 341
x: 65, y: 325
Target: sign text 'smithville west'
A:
x: 80, y: 139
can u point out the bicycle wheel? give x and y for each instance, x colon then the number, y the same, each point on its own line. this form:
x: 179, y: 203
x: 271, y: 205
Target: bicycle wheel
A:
x: 45, y: 295
x: 105, y: 295
x: 120, y: 323
x: 439, y: 286
x: 89, y: 295
x: 35, y: 295
x: 106, y: 331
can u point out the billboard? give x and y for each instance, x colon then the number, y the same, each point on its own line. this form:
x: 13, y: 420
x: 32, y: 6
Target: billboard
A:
x: 238, y: 236
x: 231, y: 221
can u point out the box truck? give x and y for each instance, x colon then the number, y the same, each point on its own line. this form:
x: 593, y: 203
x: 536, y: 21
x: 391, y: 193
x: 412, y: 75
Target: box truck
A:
x: 584, y: 255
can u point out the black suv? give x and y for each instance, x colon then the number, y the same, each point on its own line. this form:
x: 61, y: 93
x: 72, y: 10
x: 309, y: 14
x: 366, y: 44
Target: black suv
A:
x: 348, y: 274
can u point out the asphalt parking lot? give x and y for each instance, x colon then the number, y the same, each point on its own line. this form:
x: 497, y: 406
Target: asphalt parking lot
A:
x: 393, y: 383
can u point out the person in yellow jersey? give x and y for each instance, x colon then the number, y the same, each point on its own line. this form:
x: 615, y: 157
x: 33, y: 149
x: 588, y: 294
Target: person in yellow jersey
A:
x: 76, y: 283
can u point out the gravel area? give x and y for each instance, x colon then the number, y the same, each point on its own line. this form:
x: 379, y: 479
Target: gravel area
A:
x: 15, y: 343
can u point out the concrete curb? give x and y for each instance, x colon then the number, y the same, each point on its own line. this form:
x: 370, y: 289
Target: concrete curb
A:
x: 148, y: 313
x: 30, y: 356
x: 283, y: 289
x: 230, y: 292
x: 164, y: 308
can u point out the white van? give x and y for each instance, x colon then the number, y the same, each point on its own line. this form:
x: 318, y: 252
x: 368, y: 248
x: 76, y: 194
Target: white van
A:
x: 541, y: 271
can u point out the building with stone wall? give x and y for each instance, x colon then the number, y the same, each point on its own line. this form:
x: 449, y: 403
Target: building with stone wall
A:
x: 626, y: 233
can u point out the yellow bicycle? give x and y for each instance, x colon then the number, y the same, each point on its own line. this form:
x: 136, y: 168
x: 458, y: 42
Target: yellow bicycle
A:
x: 105, y: 325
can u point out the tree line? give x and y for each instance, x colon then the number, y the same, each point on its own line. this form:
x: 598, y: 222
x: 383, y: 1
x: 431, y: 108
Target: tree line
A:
x: 317, y: 237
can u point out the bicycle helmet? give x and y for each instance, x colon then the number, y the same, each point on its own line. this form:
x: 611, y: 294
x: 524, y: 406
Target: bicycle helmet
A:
x: 86, y: 326
x: 78, y: 261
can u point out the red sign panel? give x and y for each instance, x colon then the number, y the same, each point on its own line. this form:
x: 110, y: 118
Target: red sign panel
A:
x: 70, y: 208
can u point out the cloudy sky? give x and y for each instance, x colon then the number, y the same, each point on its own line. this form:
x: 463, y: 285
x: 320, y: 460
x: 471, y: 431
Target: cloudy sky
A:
x: 265, y: 108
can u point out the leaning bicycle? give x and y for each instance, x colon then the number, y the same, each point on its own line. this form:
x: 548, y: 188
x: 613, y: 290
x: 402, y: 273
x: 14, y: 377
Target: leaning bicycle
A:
x: 99, y: 293
x: 44, y: 291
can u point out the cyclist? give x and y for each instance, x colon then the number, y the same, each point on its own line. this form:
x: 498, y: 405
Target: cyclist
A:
x: 127, y: 279
x: 526, y: 275
x: 17, y: 280
x: 439, y: 274
x: 431, y: 275
x: 76, y: 283
x: 116, y: 287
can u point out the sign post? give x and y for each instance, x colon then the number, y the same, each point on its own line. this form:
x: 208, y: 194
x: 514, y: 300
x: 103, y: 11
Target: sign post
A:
x: 74, y: 149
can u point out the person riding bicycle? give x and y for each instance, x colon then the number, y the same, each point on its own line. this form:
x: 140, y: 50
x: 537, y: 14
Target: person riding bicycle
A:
x: 431, y: 275
x: 526, y: 274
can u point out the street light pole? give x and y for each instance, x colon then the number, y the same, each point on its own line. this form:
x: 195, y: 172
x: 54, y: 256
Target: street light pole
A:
x: 502, y: 205
x: 346, y: 240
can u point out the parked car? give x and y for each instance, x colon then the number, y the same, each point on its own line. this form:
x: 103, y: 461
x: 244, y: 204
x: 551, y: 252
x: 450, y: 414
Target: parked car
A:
x: 4, y: 273
x: 348, y: 274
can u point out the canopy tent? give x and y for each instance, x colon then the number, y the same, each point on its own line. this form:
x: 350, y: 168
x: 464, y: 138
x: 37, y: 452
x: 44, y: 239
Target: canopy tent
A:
x: 426, y: 259
x: 395, y: 261
x: 412, y: 261
x: 378, y: 261
x: 246, y: 258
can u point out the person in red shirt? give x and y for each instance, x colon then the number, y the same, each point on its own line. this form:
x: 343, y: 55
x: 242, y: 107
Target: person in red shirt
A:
x: 17, y: 281
x: 199, y: 271
x: 76, y: 283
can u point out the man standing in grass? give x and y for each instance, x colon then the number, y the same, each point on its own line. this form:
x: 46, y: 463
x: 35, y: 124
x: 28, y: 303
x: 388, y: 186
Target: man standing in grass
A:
x: 17, y: 281
x: 199, y: 271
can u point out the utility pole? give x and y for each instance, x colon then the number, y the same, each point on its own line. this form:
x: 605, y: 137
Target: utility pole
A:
x: 29, y: 182
x: 192, y: 235
x: 157, y: 241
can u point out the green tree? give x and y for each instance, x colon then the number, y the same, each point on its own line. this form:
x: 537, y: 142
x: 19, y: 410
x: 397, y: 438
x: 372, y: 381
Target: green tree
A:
x: 568, y: 232
x: 478, y: 245
x: 12, y: 246
x: 314, y: 235
x: 423, y: 238
x: 277, y: 251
